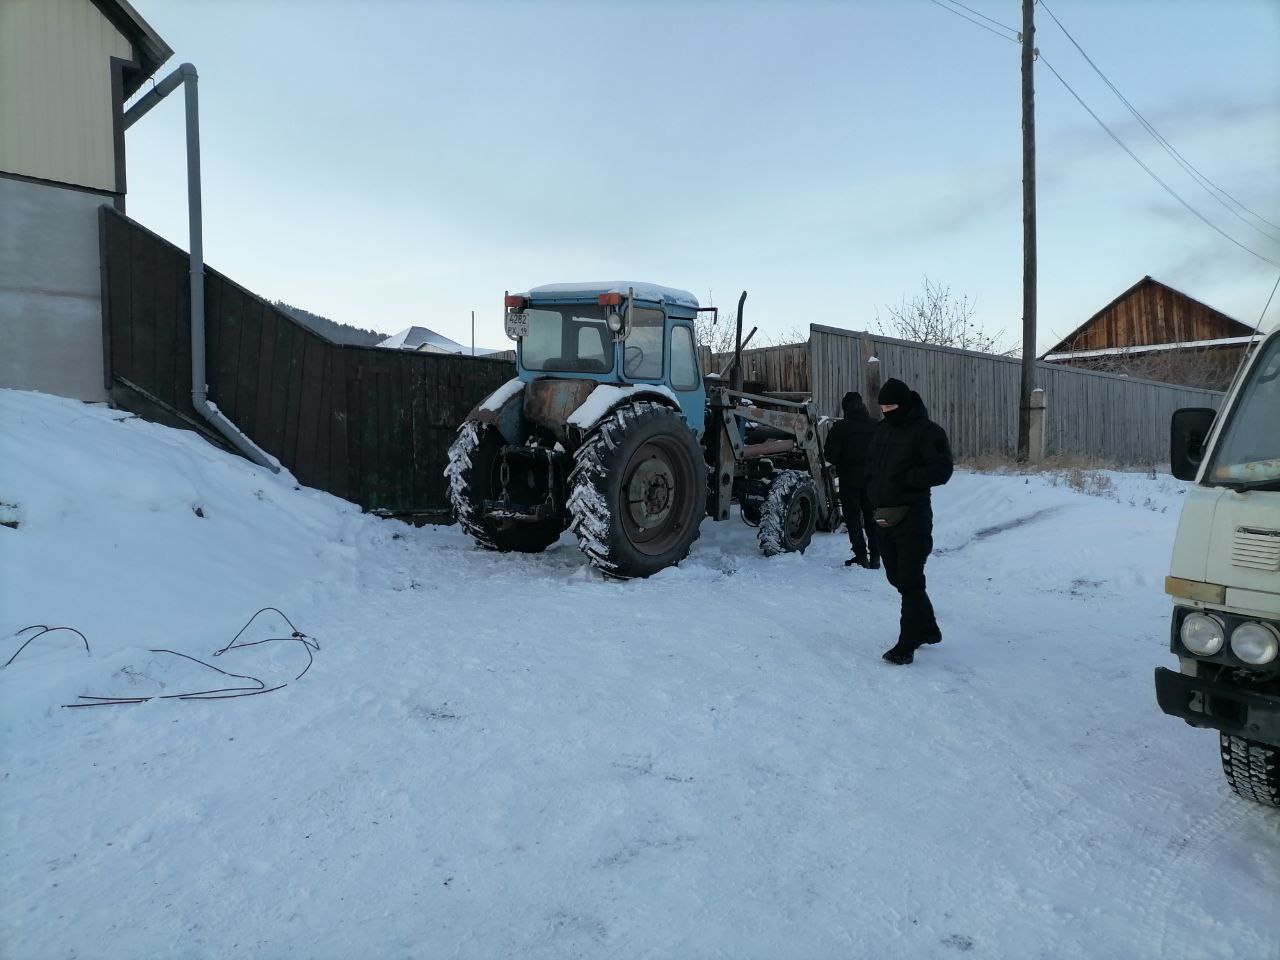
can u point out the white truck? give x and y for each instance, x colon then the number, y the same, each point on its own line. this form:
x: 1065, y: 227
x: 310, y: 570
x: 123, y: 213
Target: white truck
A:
x: 1225, y: 576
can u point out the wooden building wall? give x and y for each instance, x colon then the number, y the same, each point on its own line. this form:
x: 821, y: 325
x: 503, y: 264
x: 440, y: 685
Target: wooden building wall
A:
x: 1151, y: 313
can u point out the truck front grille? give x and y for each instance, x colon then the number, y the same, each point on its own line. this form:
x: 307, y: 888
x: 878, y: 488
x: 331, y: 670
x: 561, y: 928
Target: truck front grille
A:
x: 1256, y: 548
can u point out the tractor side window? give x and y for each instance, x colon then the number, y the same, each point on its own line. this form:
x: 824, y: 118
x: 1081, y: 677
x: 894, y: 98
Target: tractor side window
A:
x: 643, y: 351
x: 684, y: 360
x: 593, y: 345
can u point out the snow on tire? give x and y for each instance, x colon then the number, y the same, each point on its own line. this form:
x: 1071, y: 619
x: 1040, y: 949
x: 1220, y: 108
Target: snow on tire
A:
x: 1252, y: 769
x: 472, y: 476
x: 637, y: 491
x: 790, y: 513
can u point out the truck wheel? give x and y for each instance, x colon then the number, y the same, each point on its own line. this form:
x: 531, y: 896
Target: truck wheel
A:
x: 1252, y: 769
x: 790, y: 513
x: 637, y: 491
x: 473, y: 478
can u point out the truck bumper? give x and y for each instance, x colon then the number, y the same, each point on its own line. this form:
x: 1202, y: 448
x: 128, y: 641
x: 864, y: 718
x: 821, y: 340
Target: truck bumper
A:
x: 1219, y: 706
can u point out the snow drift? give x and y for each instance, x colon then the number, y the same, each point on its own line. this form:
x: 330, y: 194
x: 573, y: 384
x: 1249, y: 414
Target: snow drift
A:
x: 503, y: 755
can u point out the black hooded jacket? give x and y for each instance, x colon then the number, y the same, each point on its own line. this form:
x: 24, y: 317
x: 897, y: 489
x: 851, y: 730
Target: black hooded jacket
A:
x: 848, y: 441
x: 909, y: 454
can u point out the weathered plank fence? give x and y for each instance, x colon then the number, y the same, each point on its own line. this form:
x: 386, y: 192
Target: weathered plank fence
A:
x: 782, y: 369
x: 974, y: 396
x: 367, y: 424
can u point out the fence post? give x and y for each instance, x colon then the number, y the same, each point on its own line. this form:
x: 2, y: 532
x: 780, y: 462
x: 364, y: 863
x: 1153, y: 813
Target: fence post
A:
x: 1039, y: 417
x: 872, y: 374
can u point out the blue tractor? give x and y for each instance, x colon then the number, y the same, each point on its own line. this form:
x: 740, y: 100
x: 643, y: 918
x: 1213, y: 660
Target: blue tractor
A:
x: 610, y: 429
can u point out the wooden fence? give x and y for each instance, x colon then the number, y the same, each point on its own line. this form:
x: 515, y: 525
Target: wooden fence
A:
x: 367, y: 424
x: 975, y: 397
x: 783, y: 369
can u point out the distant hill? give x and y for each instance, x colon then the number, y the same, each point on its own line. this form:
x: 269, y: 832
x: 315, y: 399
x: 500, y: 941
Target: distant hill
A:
x: 332, y: 329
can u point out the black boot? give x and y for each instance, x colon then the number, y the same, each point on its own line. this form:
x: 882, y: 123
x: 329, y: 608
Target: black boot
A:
x: 899, y: 654
x: 874, y: 562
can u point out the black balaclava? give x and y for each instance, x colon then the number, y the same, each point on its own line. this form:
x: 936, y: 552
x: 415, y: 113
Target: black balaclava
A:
x: 895, y: 391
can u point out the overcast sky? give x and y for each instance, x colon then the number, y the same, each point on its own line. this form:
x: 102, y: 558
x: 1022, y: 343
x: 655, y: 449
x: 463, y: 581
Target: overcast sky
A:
x: 396, y: 163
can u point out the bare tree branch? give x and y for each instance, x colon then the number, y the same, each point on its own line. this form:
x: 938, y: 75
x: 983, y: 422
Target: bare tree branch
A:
x: 937, y: 317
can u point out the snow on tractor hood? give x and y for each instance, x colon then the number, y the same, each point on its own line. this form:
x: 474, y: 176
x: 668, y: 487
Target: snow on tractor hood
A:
x: 643, y: 291
x: 607, y: 396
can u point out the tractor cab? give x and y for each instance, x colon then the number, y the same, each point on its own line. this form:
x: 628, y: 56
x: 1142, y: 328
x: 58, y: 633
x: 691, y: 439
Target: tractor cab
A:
x: 621, y: 335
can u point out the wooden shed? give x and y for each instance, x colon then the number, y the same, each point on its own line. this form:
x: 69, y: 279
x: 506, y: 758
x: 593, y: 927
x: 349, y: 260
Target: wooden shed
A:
x: 1156, y: 332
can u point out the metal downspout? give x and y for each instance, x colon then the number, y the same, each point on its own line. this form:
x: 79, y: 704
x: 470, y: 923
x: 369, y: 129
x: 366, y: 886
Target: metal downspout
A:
x: 186, y: 74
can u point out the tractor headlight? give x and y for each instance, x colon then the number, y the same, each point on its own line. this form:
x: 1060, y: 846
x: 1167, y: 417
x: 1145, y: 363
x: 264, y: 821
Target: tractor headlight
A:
x: 614, y: 322
x: 1255, y: 643
x: 1202, y: 634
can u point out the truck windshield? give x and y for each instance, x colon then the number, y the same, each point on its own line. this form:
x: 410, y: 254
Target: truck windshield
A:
x: 571, y: 338
x: 1248, y: 451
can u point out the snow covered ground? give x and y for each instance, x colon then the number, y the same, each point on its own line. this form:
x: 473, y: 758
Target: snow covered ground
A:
x: 498, y: 755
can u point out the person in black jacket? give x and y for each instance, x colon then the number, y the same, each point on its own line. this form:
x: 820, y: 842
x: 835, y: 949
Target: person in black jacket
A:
x: 909, y: 455
x: 846, y: 449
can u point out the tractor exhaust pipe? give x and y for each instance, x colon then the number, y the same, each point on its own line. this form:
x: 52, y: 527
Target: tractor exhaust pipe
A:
x: 737, y: 379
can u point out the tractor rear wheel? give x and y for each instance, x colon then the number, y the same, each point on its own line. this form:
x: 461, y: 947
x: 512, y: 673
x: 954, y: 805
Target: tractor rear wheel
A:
x: 790, y: 513
x: 473, y: 475
x: 637, y: 491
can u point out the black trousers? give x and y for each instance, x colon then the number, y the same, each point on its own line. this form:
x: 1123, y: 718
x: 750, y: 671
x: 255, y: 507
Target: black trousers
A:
x: 859, y: 518
x: 904, y: 549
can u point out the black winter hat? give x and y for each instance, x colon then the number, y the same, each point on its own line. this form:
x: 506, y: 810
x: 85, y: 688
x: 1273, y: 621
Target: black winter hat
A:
x: 852, y: 403
x: 894, y: 391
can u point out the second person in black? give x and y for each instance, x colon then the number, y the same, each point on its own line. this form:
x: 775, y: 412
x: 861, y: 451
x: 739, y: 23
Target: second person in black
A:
x: 846, y: 449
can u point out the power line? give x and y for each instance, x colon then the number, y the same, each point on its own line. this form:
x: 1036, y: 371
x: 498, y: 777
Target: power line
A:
x: 997, y: 23
x: 949, y: 9
x: 1151, y: 173
x: 1208, y: 185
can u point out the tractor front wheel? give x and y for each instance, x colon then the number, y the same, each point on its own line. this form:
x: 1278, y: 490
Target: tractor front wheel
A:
x: 637, y: 492
x: 790, y: 513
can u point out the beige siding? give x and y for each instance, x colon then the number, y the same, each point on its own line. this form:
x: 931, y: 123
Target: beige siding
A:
x: 55, y: 91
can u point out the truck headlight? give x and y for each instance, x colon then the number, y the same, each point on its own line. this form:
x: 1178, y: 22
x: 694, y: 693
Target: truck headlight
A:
x: 1255, y: 643
x: 1202, y: 634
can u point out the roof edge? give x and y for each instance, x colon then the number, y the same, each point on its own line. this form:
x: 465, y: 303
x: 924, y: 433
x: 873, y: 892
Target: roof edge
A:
x: 151, y: 49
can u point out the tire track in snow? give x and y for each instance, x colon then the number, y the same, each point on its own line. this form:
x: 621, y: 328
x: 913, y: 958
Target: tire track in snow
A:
x: 1162, y: 895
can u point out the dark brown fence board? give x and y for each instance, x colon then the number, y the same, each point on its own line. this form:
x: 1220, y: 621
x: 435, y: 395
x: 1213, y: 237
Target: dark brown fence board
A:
x: 247, y: 366
x: 268, y: 334
x: 163, y: 338
x: 144, y: 310
x: 278, y: 400
x: 308, y: 468
x: 293, y: 403
x: 368, y: 424
x: 117, y: 257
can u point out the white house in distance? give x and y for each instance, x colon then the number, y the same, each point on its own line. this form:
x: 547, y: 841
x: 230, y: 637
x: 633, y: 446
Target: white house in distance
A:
x: 426, y: 340
x: 66, y: 69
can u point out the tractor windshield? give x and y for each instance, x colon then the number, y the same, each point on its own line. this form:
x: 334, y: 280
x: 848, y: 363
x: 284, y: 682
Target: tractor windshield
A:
x: 571, y: 338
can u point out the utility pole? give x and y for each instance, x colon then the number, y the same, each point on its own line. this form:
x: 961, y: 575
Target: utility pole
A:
x: 473, y: 333
x: 1028, y: 231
